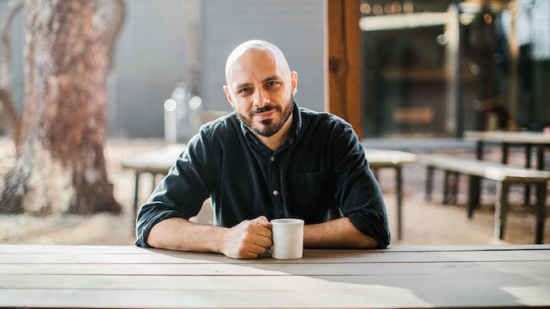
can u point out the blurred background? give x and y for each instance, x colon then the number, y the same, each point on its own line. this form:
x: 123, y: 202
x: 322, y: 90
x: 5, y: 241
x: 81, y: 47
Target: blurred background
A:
x: 430, y: 70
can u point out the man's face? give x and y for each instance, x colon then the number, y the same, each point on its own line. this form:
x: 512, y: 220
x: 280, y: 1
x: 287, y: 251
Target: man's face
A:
x: 261, y: 92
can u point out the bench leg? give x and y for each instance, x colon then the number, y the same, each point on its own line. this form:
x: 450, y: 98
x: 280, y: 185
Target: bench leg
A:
x: 454, y: 192
x: 153, y: 182
x: 375, y: 173
x: 527, y: 165
x: 473, y: 194
x: 479, y: 150
x: 429, y: 181
x: 399, y: 184
x: 446, y: 188
x: 136, y: 198
x: 501, y: 209
x: 505, y: 147
x: 541, y: 212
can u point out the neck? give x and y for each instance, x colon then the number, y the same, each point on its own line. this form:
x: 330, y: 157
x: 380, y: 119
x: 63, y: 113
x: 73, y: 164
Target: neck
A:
x: 277, y: 140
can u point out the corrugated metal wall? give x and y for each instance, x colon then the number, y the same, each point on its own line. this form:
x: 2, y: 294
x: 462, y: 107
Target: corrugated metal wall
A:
x: 296, y: 27
x: 151, y: 54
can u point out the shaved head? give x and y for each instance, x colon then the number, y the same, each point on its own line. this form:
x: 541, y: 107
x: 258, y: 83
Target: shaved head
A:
x: 255, y: 46
x: 260, y: 87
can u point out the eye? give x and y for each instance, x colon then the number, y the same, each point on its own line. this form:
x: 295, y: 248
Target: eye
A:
x: 272, y: 83
x: 244, y: 90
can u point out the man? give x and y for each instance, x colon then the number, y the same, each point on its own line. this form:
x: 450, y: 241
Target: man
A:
x: 269, y: 159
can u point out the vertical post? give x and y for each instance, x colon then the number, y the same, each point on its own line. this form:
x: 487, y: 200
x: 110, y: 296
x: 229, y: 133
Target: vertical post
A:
x: 541, y: 212
x: 153, y: 182
x: 446, y: 188
x: 399, y: 184
x: 505, y: 147
x: 527, y: 165
x: 473, y: 195
x: 479, y: 150
x: 429, y: 181
x: 454, y: 193
x: 136, y: 197
x: 375, y: 173
x: 343, y: 61
x: 501, y: 209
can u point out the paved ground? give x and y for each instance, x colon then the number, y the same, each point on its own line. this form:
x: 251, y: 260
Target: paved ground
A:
x: 424, y: 223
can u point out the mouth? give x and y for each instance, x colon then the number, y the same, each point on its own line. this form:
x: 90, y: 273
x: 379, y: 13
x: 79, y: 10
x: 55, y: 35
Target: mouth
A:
x: 265, y: 115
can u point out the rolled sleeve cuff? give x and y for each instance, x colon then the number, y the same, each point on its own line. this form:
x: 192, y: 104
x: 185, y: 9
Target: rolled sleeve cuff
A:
x: 144, y: 227
x: 373, y: 226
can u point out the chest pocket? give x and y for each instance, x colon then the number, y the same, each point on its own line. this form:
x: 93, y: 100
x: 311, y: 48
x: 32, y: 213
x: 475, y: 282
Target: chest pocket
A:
x: 311, y: 195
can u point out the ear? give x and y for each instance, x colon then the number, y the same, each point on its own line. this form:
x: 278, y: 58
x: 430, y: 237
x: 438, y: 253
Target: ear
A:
x: 294, y: 82
x: 228, y: 95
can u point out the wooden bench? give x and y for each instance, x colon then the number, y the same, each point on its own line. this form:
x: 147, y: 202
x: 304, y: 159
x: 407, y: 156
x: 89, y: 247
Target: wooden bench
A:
x: 504, y: 175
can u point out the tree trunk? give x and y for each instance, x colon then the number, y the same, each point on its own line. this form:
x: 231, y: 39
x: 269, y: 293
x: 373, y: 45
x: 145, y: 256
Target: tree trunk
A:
x: 60, y: 165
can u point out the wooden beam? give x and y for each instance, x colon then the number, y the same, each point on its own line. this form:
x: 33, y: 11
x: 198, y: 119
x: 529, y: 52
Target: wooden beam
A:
x: 343, y: 61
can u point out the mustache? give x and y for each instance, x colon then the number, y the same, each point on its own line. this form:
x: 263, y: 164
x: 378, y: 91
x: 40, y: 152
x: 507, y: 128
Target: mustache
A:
x: 264, y: 109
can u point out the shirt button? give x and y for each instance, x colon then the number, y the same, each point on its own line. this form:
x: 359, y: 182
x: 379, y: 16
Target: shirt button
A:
x: 275, y: 192
x: 272, y: 159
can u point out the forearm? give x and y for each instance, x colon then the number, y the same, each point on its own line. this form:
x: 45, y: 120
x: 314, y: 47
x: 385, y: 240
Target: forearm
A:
x: 339, y: 233
x: 180, y: 234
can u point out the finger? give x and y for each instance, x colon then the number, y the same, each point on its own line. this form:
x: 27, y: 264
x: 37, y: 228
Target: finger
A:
x: 256, y: 249
x: 263, y: 241
x: 247, y: 255
x: 264, y: 231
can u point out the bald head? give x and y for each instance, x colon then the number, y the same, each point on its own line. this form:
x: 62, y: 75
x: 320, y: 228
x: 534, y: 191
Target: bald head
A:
x: 252, y: 51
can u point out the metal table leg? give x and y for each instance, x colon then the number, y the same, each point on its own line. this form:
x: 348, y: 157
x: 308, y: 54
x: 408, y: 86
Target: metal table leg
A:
x: 527, y: 165
x: 541, y: 212
x: 399, y: 184
x: 136, y: 198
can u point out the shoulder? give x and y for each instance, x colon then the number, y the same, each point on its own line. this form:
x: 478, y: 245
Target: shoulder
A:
x: 324, y: 121
x: 228, y: 124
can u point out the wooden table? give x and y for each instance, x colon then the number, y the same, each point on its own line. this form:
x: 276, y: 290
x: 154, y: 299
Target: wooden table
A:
x: 506, y: 138
x: 398, y: 277
x: 160, y: 161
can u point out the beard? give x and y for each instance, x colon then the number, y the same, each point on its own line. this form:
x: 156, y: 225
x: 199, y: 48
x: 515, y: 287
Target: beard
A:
x: 267, y: 127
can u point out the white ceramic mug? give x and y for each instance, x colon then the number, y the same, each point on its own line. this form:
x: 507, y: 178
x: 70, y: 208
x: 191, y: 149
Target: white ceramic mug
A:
x: 288, y: 238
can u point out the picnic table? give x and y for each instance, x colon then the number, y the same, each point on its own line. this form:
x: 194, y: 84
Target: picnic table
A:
x: 527, y: 139
x: 398, y: 277
x: 160, y: 161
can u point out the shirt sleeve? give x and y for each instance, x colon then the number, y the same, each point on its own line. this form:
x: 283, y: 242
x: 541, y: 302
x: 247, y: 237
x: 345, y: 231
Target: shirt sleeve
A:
x: 182, y: 192
x: 357, y: 192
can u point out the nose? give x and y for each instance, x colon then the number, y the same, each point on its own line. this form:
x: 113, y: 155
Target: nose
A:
x: 261, y: 98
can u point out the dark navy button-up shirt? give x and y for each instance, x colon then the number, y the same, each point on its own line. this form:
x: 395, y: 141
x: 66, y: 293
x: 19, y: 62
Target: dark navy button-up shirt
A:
x: 320, y: 173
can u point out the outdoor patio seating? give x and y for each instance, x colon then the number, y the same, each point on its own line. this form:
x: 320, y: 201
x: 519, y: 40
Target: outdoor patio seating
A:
x: 503, y: 174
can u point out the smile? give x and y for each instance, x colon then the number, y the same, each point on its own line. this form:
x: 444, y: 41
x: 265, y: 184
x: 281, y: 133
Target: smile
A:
x: 265, y: 115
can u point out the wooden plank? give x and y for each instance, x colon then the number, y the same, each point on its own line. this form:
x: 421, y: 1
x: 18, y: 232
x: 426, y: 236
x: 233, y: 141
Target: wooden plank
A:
x: 489, y: 170
x: 508, y: 137
x: 62, y: 249
x: 158, y: 161
x: 367, y: 274
x: 343, y: 61
x: 376, y: 296
x: 373, y: 295
x: 351, y: 269
x: 310, y: 257
x: 388, y: 158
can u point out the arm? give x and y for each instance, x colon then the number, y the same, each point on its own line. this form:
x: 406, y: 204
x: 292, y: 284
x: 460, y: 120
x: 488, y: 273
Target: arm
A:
x: 357, y: 192
x: 339, y: 233
x: 246, y: 240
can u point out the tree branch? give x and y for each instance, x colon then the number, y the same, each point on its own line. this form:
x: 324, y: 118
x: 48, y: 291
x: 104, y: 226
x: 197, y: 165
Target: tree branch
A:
x: 114, y: 31
x: 10, y: 120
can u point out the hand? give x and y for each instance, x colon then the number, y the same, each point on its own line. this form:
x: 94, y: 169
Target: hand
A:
x: 247, y: 239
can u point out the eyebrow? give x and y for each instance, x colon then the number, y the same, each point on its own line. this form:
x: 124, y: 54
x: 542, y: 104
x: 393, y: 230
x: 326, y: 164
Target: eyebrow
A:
x: 268, y: 79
